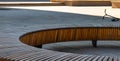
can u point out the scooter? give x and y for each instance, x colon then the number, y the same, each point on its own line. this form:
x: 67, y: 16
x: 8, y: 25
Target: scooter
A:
x: 112, y: 17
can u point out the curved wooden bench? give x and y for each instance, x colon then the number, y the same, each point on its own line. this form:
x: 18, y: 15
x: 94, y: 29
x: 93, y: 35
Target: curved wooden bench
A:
x: 38, y: 38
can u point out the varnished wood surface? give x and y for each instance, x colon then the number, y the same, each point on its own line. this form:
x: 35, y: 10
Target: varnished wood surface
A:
x: 86, y: 34
x: 66, y: 35
x: 70, y: 34
x: 85, y: 2
x: 31, y: 4
x: 88, y: 3
x: 109, y: 33
x: 115, y: 4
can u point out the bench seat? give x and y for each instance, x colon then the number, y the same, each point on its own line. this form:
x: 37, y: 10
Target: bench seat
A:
x: 85, y: 2
x: 115, y: 4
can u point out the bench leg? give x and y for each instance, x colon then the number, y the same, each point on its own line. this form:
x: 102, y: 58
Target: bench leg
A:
x: 39, y: 46
x: 94, y: 43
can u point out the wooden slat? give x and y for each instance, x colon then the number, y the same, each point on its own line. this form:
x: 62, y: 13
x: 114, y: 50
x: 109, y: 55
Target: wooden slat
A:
x: 116, y: 4
x: 104, y: 34
x: 31, y: 4
x: 25, y: 39
x: 86, y: 34
x: 38, y: 38
x: 108, y: 34
x: 66, y: 35
x: 50, y: 36
x: 57, y: 0
x: 116, y: 34
x: 87, y: 3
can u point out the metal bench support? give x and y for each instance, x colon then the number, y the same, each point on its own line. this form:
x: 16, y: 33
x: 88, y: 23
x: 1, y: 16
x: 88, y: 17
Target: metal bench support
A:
x: 39, y: 46
x: 94, y: 43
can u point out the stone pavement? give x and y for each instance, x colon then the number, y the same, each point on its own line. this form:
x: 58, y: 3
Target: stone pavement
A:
x: 14, y: 18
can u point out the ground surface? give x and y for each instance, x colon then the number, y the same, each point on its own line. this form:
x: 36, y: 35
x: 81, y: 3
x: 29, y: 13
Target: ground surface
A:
x: 15, y: 19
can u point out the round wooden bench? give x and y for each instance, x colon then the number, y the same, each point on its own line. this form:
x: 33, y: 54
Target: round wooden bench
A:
x: 38, y: 38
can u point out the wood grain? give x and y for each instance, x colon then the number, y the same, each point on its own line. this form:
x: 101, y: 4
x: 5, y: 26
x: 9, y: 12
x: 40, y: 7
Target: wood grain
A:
x: 85, y: 2
x: 108, y: 34
x: 115, y: 4
x: 70, y: 34
x: 66, y: 35
x: 86, y: 34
